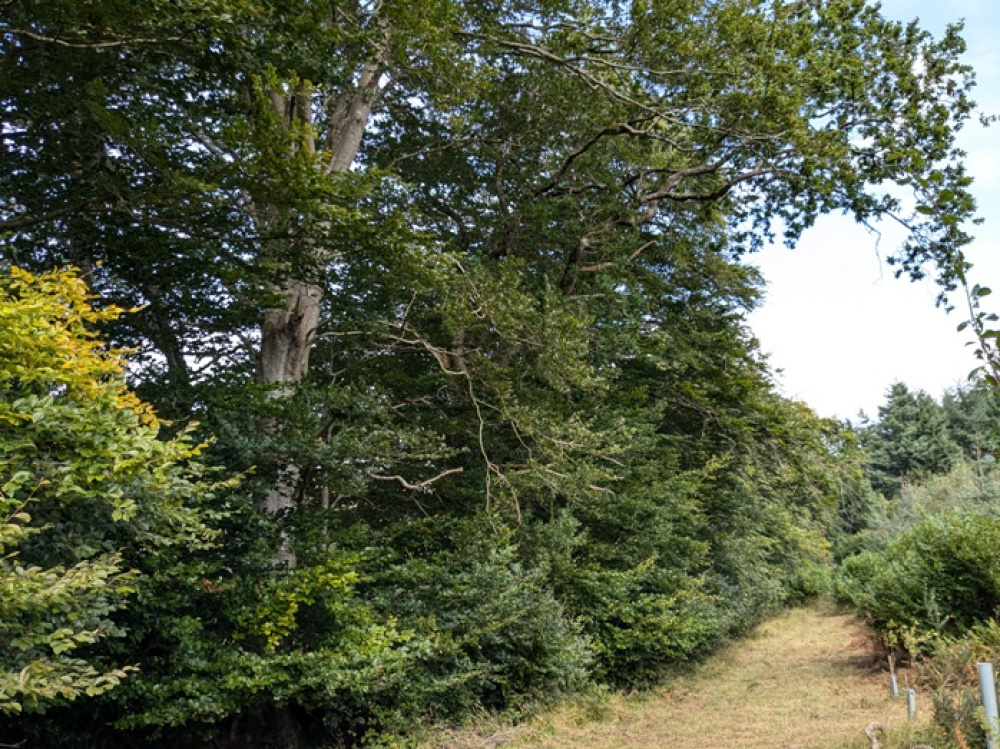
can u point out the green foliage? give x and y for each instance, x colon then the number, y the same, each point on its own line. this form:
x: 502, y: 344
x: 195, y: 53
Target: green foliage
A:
x: 925, y: 577
x: 630, y: 569
x: 946, y: 666
x: 939, y: 575
x: 83, y: 477
x: 47, y: 614
x: 910, y: 440
x: 495, y: 636
x: 973, y: 415
x: 530, y: 441
x: 259, y: 645
x: 928, y: 566
x: 97, y: 508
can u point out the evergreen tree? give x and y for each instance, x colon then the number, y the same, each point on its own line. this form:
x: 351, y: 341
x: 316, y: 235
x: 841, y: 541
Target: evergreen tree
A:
x: 910, y: 440
x: 973, y: 415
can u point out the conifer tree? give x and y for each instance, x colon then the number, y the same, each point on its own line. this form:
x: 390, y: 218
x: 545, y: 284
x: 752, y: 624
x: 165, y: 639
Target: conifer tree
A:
x: 910, y: 440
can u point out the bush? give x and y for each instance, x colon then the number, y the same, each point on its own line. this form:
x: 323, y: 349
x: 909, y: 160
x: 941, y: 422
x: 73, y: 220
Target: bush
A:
x: 118, y: 597
x: 492, y: 634
x: 85, y: 481
x: 947, y: 666
x: 941, y: 575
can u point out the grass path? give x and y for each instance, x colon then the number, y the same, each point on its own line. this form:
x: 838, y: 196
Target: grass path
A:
x: 802, y: 681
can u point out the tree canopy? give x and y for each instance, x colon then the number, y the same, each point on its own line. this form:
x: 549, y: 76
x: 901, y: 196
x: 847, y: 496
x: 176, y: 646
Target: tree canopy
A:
x: 911, y: 440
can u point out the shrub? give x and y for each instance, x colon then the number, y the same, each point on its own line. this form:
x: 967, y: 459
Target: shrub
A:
x: 84, y: 481
x: 492, y: 633
x: 940, y: 575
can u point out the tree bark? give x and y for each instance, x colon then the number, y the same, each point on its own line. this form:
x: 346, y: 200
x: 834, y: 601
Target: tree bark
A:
x: 349, y: 118
x: 287, y: 334
x: 286, y: 341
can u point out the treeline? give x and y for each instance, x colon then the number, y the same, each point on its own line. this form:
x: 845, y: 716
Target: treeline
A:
x: 399, y: 607
x: 914, y: 438
x: 923, y: 569
x: 454, y: 293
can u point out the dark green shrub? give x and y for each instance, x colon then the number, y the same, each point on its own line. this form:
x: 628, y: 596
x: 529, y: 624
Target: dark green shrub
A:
x: 492, y: 633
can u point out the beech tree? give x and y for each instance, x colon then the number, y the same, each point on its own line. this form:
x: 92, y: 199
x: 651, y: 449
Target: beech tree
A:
x: 249, y: 171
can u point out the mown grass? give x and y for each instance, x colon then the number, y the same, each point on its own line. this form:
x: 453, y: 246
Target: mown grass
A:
x: 808, y: 679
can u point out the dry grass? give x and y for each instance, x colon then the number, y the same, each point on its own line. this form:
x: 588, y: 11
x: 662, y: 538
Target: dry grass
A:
x: 805, y: 680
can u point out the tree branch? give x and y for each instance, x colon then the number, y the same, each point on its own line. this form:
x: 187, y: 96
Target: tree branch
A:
x: 28, y: 220
x: 581, y: 150
x: 421, y: 486
x: 351, y: 110
x: 668, y: 193
x: 447, y: 210
x: 540, y: 53
x: 87, y: 45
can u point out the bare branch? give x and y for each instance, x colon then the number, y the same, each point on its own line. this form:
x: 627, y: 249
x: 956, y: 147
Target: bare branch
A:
x: 340, y: 334
x: 249, y: 346
x: 210, y: 145
x: 421, y: 486
x: 611, y: 264
x: 667, y: 191
x: 580, y: 189
x: 670, y: 194
x: 571, y: 273
x: 87, y: 45
x: 445, y: 359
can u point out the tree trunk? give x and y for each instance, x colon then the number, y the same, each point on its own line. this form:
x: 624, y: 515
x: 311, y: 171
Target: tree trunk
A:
x: 287, y: 334
x: 288, y: 330
x: 286, y: 340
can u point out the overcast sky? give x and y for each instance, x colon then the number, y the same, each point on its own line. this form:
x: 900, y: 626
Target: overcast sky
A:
x: 835, y: 322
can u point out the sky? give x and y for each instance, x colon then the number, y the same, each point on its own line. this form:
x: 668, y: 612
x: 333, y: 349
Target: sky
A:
x: 839, y: 329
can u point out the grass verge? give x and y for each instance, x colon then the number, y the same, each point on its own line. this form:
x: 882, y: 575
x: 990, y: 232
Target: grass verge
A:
x: 808, y: 679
